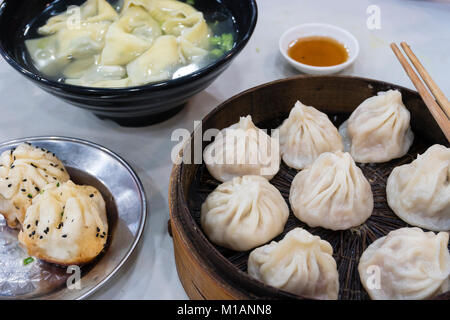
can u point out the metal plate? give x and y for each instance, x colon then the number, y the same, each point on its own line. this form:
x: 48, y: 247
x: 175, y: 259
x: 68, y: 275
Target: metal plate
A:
x: 91, y: 164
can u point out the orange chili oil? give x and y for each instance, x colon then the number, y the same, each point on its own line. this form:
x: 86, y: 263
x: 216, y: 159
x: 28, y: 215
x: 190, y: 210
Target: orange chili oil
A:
x: 318, y: 51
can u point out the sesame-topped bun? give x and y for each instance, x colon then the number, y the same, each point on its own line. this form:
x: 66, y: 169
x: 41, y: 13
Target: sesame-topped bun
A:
x: 66, y: 224
x: 24, y: 171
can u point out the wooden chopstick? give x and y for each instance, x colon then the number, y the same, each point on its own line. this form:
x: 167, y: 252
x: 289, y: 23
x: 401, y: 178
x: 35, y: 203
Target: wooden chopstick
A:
x: 435, y: 109
x: 437, y: 92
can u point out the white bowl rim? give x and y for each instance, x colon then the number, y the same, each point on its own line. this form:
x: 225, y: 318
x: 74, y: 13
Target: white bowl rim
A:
x: 340, y: 66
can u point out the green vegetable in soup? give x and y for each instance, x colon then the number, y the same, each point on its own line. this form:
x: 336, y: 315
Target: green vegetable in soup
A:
x: 215, y: 41
x: 227, y: 41
x: 222, y: 44
x: 217, y: 53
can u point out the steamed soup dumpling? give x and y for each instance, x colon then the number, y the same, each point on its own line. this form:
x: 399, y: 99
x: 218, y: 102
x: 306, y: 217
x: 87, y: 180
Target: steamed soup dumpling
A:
x: 300, y: 263
x: 331, y: 193
x: 24, y: 172
x: 378, y: 130
x: 305, y: 135
x: 66, y: 224
x: 419, y: 192
x: 91, y: 11
x: 408, y: 263
x: 244, y: 213
x: 130, y: 36
x: 242, y: 149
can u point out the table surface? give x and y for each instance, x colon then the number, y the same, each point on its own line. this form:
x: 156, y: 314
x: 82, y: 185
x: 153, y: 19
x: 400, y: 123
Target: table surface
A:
x: 150, y: 273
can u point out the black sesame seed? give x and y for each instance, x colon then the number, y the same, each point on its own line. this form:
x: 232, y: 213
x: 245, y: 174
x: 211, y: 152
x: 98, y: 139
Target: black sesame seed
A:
x: 91, y: 195
x: 46, y: 230
x: 28, y: 226
x: 40, y: 237
x: 64, y: 235
x: 96, y: 235
x: 62, y: 169
x: 98, y: 229
x: 33, y: 165
x: 33, y: 233
x: 24, y: 180
x: 9, y: 185
x: 37, y: 189
x: 37, y: 222
x: 102, y: 236
x: 23, y: 190
x: 30, y: 196
x: 7, y: 178
x: 104, y: 233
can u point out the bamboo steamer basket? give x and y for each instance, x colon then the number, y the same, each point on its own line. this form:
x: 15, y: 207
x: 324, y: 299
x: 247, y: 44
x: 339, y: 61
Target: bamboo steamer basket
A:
x: 208, y: 271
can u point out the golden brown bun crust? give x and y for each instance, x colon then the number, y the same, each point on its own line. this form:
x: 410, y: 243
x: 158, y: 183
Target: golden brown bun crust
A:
x: 38, y: 253
x: 66, y: 224
x: 24, y: 172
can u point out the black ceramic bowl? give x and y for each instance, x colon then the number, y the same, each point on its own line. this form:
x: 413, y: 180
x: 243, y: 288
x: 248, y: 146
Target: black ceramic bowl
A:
x: 140, y: 105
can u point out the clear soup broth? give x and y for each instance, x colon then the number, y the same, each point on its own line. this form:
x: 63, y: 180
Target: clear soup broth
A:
x: 113, y: 44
